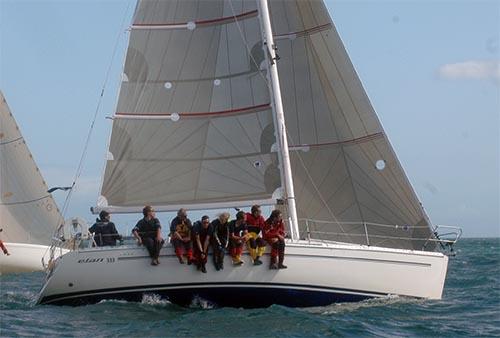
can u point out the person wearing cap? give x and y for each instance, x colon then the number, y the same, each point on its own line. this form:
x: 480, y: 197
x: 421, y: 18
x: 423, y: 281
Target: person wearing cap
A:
x: 104, y: 231
x: 2, y: 246
x: 202, y: 234
x: 220, y: 239
x: 180, y: 236
x: 238, y: 237
x: 255, y: 223
x: 148, y: 233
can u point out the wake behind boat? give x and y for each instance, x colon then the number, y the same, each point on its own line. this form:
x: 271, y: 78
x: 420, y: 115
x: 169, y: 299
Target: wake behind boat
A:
x: 209, y: 116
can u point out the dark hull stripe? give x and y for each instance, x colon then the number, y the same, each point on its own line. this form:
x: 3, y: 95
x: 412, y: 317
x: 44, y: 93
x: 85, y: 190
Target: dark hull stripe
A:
x: 235, y: 294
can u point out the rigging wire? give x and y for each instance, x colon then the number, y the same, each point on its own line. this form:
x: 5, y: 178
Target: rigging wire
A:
x: 237, y: 21
x: 79, y: 169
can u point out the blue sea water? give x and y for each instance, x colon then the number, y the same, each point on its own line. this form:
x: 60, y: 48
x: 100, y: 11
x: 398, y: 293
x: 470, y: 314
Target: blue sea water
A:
x: 470, y: 308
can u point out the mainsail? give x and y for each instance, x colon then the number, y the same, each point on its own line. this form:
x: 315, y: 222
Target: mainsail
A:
x: 194, y: 124
x: 28, y: 214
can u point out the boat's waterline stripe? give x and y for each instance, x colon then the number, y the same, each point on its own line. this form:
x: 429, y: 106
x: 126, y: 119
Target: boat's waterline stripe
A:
x: 193, y: 24
x: 210, y: 285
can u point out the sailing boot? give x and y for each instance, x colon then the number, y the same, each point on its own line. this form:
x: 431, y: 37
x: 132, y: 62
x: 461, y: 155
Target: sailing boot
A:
x: 273, y: 265
x: 281, y: 256
x: 281, y: 259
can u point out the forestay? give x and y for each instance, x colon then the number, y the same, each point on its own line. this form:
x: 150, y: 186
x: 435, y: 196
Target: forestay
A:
x: 344, y: 169
x: 28, y: 214
x: 193, y: 125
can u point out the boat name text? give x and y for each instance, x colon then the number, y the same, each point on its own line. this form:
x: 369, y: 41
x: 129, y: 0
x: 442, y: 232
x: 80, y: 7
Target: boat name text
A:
x: 97, y: 260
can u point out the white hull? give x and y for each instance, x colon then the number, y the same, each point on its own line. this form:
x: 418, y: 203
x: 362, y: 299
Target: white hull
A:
x: 317, y: 275
x: 23, y: 258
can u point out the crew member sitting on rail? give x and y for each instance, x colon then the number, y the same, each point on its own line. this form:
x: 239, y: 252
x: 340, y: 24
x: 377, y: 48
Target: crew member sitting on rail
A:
x: 180, y: 236
x: 148, y: 233
x: 220, y: 239
x: 238, y: 237
x: 255, y: 223
x: 202, y: 233
x: 104, y: 231
x: 274, y: 233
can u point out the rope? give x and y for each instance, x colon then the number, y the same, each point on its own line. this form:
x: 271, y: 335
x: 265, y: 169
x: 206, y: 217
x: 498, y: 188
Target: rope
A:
x: 257, y: 66
x: 79, y: 169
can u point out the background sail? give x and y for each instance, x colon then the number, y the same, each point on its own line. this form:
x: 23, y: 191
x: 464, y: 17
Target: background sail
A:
x: 190, y: 59
x: 28, y: 214
x: 336, y: 138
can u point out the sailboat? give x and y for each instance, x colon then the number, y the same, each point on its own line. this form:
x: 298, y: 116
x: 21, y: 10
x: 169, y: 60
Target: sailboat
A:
x: 28, y: 213
x: 231, y: 103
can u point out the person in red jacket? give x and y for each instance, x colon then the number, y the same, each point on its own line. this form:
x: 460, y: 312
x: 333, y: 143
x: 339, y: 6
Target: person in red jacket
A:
x: 255, y: 223
x: 274, y: 233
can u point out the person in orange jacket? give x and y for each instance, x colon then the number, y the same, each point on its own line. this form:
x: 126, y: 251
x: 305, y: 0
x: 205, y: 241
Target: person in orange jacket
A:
x: 274, y: 233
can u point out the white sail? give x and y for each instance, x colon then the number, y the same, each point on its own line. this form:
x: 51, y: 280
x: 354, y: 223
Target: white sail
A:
x: 193, y: 124
x: 345, y: 171
x: 28, y: 214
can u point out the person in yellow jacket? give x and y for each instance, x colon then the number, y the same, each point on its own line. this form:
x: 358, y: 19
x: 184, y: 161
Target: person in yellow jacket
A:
x: 255, y: 224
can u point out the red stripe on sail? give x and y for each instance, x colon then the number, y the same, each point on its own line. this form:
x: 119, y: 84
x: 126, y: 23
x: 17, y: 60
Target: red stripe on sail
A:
x: 203, y: 22
x: 244, y: 110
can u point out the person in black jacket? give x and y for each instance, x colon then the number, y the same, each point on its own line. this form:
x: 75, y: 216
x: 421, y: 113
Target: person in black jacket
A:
x: 148, y: 233
x: 104, y: 231
x: 220, y: 239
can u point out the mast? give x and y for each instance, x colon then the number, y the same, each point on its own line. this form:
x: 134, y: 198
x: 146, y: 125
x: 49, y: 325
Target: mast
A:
x: 275, y: 91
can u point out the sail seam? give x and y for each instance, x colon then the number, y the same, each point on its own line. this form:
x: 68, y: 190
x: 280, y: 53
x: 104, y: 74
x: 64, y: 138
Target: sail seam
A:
x: 26, y: 202
x: 357, y: 140
x: 305, y: 32
x: 395, y: 205
x: 11, y: 141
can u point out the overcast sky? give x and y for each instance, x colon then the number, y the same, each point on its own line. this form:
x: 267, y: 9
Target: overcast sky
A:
x: 430, y: 68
